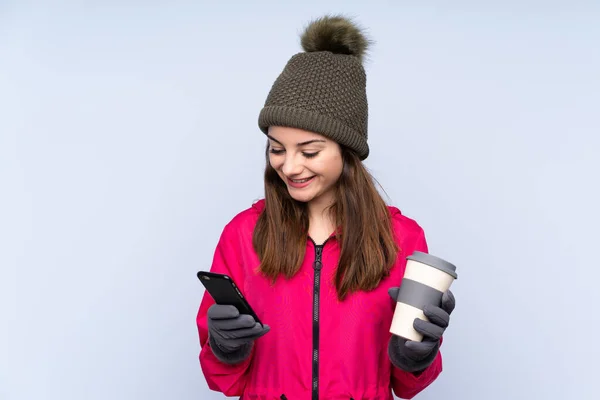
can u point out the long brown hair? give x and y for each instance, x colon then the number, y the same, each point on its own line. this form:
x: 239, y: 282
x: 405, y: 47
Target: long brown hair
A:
x: 368, y: 248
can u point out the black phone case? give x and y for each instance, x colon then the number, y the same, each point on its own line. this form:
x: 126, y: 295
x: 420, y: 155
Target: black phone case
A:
x: 224, y: 291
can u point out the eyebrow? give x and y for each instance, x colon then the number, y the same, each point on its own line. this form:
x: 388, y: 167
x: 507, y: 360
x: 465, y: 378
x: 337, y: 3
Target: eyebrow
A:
x: 298, y: 144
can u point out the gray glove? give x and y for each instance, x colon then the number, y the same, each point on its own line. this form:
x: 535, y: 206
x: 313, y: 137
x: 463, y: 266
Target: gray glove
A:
x: 412, y: 356
x: 231, y: 335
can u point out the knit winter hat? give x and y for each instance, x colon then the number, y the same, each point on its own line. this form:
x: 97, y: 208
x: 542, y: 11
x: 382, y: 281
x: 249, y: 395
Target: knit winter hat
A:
x: 323, y: 89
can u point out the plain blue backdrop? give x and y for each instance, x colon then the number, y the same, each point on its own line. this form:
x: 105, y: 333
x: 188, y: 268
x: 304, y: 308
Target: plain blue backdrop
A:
x: 128, y: 138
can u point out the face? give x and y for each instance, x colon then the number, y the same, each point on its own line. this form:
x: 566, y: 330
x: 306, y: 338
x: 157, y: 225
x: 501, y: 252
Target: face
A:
x: 309, y: 164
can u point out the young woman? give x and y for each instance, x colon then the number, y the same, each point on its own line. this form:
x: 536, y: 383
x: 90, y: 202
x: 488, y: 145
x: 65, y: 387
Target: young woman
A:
x: 319, y: 257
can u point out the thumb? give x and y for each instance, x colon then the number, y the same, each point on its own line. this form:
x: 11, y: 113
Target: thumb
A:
x: 448, y: 302
x: 393, y: 292
x: 266, y: 328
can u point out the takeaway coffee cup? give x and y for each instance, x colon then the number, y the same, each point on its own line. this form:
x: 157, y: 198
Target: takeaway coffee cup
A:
x: 425, y: 280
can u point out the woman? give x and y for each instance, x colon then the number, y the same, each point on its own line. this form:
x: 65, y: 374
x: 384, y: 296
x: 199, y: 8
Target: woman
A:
x: 319, y: 257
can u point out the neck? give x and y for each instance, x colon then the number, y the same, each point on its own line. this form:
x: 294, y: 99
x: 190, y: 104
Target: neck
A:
x: 318, y: 213
x: 317, y: 207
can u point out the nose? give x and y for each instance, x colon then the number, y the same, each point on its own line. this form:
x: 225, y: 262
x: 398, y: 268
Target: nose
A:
x: 291, y: 166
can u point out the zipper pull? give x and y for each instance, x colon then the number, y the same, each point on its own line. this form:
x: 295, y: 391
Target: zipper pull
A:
x: 317, y: 264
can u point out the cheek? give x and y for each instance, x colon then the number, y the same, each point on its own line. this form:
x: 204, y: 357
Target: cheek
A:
x: 330, y: 168
x: 275, y: 162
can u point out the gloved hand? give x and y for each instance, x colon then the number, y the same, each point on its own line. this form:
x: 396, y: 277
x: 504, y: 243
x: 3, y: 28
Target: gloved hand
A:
x: 231, y: 335
x: 412, y: 356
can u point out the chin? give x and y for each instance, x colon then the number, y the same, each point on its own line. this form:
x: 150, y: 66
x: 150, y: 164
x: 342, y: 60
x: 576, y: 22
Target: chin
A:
x: 301, y: 197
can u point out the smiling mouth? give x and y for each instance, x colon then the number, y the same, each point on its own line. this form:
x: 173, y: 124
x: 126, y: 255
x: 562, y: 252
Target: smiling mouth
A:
x: 301, y: 180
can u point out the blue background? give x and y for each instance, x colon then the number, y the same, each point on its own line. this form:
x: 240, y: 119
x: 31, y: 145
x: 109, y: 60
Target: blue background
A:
x: 128, y: 138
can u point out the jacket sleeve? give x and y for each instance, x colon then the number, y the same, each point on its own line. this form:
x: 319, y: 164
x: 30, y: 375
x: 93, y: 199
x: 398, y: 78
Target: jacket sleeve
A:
x: 221, y: 377
x: 407, y: 385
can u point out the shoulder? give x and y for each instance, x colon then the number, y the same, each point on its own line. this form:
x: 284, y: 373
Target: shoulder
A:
x: 244, y: 221
x: 407, y: 230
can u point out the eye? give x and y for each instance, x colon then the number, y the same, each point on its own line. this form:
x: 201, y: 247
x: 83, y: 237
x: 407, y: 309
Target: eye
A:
x: 276, y: 151
x: 310, y: 155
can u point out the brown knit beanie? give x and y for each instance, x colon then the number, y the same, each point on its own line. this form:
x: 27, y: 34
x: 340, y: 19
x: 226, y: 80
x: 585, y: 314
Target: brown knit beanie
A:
x: 323, y: 89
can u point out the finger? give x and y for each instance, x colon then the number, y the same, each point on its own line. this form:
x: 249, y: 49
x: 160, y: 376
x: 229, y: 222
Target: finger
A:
x: 419, y: 350
x: 265, y: 329
x: 245, y: 334
x: 448, y: 301
x: 428, y: 329
x: 436, y: 315
x: 247, y: 339
x: 393, y: 292
x: 219, y: 311
x: 241, y: 322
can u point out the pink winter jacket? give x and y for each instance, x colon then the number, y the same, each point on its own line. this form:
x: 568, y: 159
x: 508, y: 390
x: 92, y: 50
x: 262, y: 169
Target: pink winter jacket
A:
x: 311, y: 330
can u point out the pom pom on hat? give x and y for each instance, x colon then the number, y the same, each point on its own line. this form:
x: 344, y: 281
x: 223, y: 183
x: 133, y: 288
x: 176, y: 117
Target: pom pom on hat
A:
x: 336, y: 34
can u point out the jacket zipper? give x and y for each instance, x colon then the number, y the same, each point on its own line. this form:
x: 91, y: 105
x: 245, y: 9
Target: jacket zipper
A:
x: 316, y: 294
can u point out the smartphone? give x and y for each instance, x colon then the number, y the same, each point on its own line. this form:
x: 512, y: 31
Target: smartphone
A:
x: 223, y: 290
